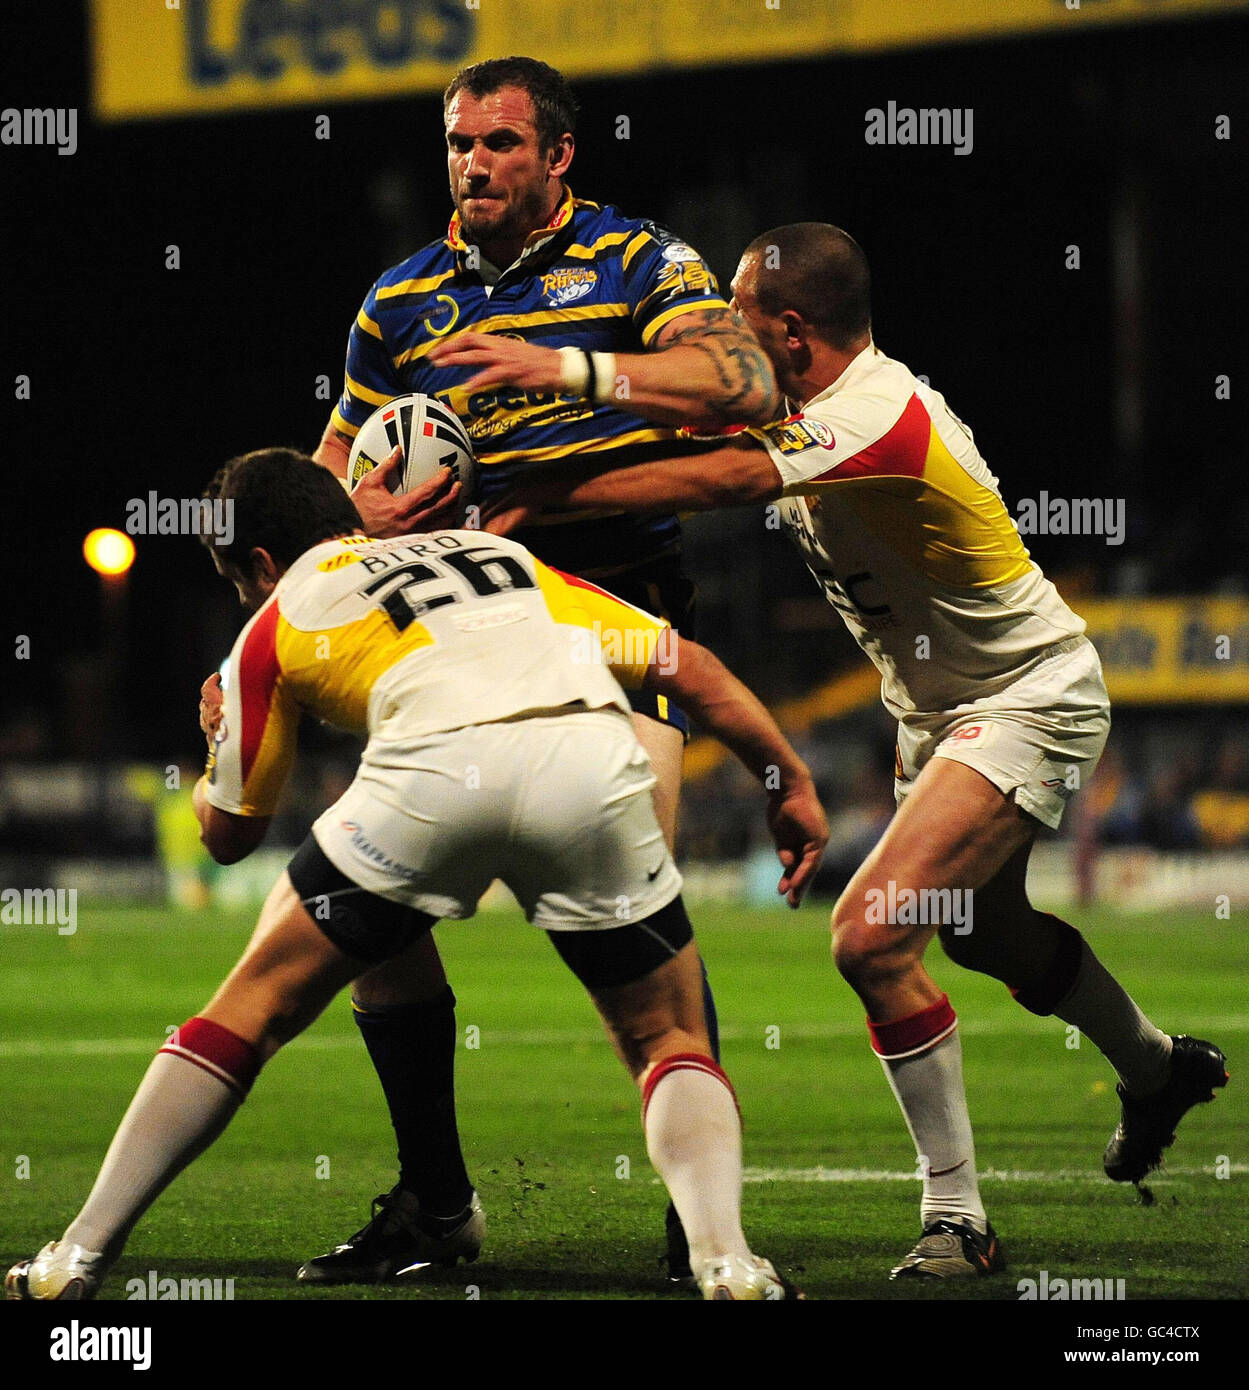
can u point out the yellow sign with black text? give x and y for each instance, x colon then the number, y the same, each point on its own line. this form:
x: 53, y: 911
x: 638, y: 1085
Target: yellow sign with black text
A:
x: 1171, y: 650
x: 157, y: 58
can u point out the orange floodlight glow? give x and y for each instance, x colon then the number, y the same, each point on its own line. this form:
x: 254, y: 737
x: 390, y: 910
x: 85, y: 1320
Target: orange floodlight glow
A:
x: 108, y: 551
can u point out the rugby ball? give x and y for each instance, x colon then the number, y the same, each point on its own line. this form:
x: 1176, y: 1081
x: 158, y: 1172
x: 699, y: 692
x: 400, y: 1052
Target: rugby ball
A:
x: 431, y: 437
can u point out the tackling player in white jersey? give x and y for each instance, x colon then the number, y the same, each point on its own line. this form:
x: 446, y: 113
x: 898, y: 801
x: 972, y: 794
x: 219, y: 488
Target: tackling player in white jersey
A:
x: 1002, y: 713
x: 453, y: 652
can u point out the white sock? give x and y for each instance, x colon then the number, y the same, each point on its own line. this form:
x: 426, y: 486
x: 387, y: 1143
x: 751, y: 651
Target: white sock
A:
x: 1104, y: 1012
x: 929, y: 1088
x: 177, y: 1112
x: 694, y: 1139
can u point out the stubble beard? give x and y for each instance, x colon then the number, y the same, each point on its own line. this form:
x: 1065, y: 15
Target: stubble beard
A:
x: 518, y: 219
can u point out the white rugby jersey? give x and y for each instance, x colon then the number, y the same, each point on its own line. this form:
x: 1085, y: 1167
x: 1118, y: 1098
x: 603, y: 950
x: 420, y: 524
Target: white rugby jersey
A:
x: 903, y: 526
x: 405, y: 638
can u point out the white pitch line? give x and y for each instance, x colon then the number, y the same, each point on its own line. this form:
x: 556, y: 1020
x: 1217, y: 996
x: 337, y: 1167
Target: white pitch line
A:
x: 566, y: 1037
x: 804, y: 1175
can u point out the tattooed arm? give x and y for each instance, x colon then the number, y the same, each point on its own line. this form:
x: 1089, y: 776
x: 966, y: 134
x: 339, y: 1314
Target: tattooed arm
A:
x: 704, y: 368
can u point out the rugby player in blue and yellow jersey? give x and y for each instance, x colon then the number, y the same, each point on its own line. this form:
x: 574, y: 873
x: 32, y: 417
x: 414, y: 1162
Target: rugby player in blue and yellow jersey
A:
x: 556, y: 329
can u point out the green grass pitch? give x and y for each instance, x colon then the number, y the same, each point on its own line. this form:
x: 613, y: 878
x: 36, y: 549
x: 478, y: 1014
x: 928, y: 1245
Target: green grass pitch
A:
x: 550, y: 1121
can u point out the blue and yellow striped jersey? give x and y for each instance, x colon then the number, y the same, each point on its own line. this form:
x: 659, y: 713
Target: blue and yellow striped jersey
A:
x: 592, y: 279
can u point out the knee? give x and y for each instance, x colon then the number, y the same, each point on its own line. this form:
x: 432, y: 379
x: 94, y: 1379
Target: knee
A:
x: 869, y: 954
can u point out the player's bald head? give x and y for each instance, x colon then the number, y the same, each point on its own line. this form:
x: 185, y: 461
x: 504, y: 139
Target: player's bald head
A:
x: 816, y: 270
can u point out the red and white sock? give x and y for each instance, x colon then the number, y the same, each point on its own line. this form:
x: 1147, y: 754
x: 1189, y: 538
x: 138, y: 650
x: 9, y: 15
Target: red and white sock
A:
x: 191, y: 1090
x: 694, y: 1139
x: 923, y: 1059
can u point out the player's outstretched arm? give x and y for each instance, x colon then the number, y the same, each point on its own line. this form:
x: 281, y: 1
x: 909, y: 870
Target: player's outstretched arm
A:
x: 704, y: 368
x: 697, y: 680
x: 737, y: 475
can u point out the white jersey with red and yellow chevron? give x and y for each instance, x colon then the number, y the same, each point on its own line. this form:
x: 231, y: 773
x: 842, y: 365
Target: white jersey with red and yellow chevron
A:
x: 902, y: 524
x: 400, y: 639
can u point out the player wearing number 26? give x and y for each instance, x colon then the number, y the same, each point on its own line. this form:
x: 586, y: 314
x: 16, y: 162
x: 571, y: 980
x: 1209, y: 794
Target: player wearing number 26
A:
x: 500, y: 745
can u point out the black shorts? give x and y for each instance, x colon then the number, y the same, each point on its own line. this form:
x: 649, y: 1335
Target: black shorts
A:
x: 620, y: 955
x: 358, y: 922
x: 373, y: 929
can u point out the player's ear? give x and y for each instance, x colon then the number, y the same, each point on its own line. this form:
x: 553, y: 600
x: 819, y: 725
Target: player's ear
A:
x: 264, y: 568
x: 560, y: 156
x: 797, y: 329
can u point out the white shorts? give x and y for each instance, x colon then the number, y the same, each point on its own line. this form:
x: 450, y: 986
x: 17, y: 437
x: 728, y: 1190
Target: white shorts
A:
x: 1040, y: 738
x: 558, y: 807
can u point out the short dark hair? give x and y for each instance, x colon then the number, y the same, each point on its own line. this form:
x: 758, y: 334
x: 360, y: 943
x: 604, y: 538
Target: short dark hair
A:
x: 819, y: 271
x: 554, y: 106
x: 283, y: 503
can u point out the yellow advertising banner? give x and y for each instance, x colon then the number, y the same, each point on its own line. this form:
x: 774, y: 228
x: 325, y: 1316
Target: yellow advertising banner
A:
x: 1172, y: 650
x: 157, y: 58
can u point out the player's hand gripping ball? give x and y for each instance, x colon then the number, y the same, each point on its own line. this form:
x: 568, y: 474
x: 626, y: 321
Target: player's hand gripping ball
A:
x: 431, y: 437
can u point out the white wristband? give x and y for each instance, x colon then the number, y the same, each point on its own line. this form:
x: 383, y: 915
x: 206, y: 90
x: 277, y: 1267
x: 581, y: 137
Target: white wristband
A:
x: 574, y: 370
x: 604, y: 377
x: 590, y: 375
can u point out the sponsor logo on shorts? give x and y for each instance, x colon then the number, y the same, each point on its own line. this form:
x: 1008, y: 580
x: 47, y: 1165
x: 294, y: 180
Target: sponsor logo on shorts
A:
x: 379, y: 858
x: 966, y: 733
x: 1060, y: 786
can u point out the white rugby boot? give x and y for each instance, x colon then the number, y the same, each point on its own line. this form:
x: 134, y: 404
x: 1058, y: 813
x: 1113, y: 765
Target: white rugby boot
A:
x: 58, y: 1271
x: 743, y: 1278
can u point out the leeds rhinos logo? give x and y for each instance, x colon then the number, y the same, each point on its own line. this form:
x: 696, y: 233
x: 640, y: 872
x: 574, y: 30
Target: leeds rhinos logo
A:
x: 571, y: 283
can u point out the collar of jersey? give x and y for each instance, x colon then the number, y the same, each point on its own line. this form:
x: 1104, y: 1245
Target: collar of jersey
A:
x: 856, y: 369
x: 535, y: 241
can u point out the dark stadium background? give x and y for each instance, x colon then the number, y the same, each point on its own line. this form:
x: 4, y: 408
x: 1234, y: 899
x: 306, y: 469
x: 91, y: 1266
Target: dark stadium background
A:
x: 147, y: 378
